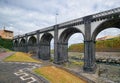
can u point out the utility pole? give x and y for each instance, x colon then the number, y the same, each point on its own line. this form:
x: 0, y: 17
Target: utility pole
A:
x: 56, y: 18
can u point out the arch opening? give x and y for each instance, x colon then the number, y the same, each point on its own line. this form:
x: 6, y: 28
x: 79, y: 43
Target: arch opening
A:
x: 22, y: 42
x: 107, y: 41
x: 45, y: 52
x: 52, y: 50
x: 32, y: 48
x: 32, y: 41
x: 107, y: 46
x: 63, y: 43
x: 22, y: 45
x: 15, y: 43
x: 105, y: 25
x: 76, y: 51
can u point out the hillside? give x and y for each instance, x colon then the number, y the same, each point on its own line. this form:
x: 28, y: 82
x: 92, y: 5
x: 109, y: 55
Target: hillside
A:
x: 5, y: 43
x: 110, y: 45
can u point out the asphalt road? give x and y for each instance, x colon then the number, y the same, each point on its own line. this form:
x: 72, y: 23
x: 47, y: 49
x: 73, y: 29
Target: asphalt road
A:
x: 16, y: 72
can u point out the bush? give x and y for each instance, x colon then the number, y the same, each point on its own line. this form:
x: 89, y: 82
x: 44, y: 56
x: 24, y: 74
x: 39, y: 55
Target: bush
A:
x: 101, y: 46
x: 6, y: 43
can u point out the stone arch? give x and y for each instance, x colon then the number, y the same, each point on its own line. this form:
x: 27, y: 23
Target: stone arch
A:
x: 45, y: 46
x: 113, y: 23
x: 32, y: 41
x: 22, y: 42
x: 66, y: 34
x: 46, y: 38
x: 15, y: 43
x: 32, y: 45
x: 63, y: 43
x: 22, y: 45
x: 104, y: 25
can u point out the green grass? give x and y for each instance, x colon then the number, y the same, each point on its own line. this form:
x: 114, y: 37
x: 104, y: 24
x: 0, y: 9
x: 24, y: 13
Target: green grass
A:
x: 101, y: 46
x: 57, y: 75
x: 21, y: 57
x: 52, y: 51
x: 80, y: 63
x: 75, y: 58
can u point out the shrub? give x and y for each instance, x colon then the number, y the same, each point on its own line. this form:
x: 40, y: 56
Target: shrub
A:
x: 6, y: 43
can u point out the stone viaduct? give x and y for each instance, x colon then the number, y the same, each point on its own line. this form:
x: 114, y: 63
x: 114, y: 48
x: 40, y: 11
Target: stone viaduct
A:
x: 39, y: 41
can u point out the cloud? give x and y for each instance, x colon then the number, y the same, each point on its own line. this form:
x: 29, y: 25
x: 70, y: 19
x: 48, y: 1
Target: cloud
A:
x: 24, y: 20
x: 111, y: 31
x: 23, y: 16
x: 76, y: 38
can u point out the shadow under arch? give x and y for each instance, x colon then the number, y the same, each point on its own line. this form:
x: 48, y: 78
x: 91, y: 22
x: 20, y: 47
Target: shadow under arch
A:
x: 114, y: 23
x: 44, y: 52
x: 16, y: 45
x: 22, y: 45
x: 22, y: 42
x: 63, y: 43
x: 32, y: 41
x: 32, y: 48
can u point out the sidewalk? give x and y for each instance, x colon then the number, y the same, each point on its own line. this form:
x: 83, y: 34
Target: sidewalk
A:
x: 5, y: 54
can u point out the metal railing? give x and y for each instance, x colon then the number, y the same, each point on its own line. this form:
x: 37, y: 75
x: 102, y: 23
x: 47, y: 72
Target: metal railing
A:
x: 105, y: 13
x: 71, y: 22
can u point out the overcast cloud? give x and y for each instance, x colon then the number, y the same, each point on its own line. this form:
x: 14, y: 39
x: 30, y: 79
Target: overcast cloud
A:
x: 23, y: 16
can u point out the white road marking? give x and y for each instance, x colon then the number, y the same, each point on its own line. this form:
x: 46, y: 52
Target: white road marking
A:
x: 25, y: 69
x: 25, y: 76
x: 37, y: 65
x: 29, y: 63
x: 33, y: 80
x: 19, y: 73
x: 21, y: 70
x: 33, y: 67
x: 16, y: 62
x: 22, y: 63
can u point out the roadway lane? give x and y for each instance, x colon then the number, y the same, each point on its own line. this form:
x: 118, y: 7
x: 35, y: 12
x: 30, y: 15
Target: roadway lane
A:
x: 7, y: 73
x: 16, y: 72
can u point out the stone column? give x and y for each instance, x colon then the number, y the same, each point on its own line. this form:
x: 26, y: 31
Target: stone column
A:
x: 60, y: 48
x: 56, y: 57
x: 18, y: 48
x: 13, y: 44
x: 38, y: 46
x: 63, y: 52
x: 89, y: 56
x: 45, y: 51
x: 26, y: 43
x: 16, y: 45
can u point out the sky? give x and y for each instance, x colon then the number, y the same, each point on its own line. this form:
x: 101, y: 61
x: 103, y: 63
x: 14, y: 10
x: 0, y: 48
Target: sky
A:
x: 23, y: 16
